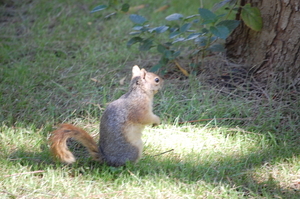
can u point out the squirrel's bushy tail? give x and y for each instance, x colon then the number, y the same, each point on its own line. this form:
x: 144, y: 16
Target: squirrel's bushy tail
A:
x: 58, y: 143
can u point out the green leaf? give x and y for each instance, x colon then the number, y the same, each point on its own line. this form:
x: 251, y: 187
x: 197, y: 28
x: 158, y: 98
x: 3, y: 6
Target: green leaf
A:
x: 205, y: 31
x: 137, y: 19
x: 134, y: 40
x: 168, y: 54
x: 220, y: 4
x: 192, y: 36
x: 109, y: 15
x: 138, y: 27
x: 163, y: 60
x: 217, y: 48
x: 177, y: 53
x: 178, y: 39
x: 220, y: 31
x: 174, y: 17
x: 125, y: 7
x: 194, y: 53
x: 113, y: 3
x: 135, y: 33
x: 213, y: 39
x: 201, y: 41
x: 159, y: 29
x: 185, y: 27
x: 155, y: 68
x: 161, y: 48
x: 192, y: 16
x: 173, y: 29
x: 207, y: 15
x: 141, y: 28
x: 146, y: 44
x: 99, y: 8
x: 252, y: 17
x: 168, y: 44
x: 230, y: 24
x: 174, y: 34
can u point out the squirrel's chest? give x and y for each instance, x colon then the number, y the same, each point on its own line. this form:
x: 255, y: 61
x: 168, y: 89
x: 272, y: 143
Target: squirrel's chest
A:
x: 133, y: 135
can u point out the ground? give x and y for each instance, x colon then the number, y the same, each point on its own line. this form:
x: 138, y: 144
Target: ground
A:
x: 223, y: 134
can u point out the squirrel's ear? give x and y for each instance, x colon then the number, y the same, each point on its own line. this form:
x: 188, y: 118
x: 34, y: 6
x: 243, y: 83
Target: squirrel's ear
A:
x: 143, y: 73
x: 136, y: 71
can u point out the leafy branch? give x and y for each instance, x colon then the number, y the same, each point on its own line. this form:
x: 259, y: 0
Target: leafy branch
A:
x: 205, y: 31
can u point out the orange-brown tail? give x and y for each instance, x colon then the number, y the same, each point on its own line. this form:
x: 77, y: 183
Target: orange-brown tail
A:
x: 59, y: 148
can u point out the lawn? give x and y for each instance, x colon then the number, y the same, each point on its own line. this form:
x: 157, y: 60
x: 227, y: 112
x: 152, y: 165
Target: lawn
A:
x: 60, y: 63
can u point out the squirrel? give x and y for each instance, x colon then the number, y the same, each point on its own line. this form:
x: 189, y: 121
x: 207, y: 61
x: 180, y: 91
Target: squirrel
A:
x: 121, y: 125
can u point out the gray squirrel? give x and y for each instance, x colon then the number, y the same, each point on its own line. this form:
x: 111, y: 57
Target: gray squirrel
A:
x: 121, y: 125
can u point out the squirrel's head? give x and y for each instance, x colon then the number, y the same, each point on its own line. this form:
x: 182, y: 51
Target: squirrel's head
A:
x: 150, y: 82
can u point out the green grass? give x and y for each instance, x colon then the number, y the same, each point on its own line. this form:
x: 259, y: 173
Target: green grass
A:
x: 59, y: 63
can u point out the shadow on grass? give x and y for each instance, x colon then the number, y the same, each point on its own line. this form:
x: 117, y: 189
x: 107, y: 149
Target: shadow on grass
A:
x: 238, y: 173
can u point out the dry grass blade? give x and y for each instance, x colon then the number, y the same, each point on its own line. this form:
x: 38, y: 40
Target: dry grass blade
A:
x: 24, y: 173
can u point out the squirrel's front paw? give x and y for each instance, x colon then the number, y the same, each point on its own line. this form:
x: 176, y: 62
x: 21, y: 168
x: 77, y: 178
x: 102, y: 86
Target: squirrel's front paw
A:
x: 156, y: 122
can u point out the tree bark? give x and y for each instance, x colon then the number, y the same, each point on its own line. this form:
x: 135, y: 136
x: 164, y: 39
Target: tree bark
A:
x: 274, y: 52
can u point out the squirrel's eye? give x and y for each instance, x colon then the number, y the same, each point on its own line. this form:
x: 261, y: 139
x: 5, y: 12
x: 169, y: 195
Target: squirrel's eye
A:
x: 156, y: 80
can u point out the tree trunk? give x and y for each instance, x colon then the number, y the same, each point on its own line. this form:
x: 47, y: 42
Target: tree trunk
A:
x: 274, y: 52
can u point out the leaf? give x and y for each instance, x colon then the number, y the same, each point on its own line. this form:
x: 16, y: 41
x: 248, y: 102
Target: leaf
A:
x: 109, y: 15
x: 159, y: 29
x: 177, y: 53
x: 146, y: 45
x: 174, y: 17
x: 213, y: 39
x: 252, y: 17
x: 141, y: 28
x: 230, y: 24
x: 113, y: 3
x: 168, y: 54
x: 207, y: 15
x: 220, y: 5
x: 161, y: 48
x: 135, y: 33
x: 138, y: 27
x: 137, y: 19
x: 174, y: 34
x: 220, y: 31
x: 99, y: 8
x: 195, y: 53
x: 173, y: 29
x: 156, y: 67
x: 168, y: 44
x: 134, y: 40
x: 196, y: 21
x: 192, y: 36
x: 201, y: 41
x: 185, y: 27
x: 125, y: 7
x: 178, y: 39
x: 217, y: 48
x: 188, y: 17
x: 205, y: 30
x: 164, y: 60
x: 232, y: 2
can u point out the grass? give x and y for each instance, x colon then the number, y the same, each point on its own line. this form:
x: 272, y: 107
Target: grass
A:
x: 61, y: 64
